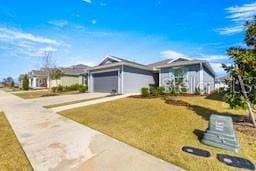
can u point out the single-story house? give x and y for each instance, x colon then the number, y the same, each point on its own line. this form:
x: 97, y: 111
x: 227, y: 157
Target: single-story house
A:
x: 125, y: 76
x: 76, y: 74
x: 38, y: 79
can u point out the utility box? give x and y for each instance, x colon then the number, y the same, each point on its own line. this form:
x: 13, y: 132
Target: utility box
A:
x: 220, y: 133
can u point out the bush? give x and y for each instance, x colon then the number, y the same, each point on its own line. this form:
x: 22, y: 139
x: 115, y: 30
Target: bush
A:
x: 153, y: 91
x: 144, y: 92
x: 113, y: 92
x: 54, y: 89
x: 83, y: 88
x: 74, y: 87
x: 25, y: 83
x: 197, y: 91
x: 161, y: 90
x: 59, y: 88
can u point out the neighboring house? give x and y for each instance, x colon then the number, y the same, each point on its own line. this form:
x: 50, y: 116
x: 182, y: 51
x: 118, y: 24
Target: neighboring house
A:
x: 1, y: 85
x: 220, y: 83
x: 76, y: 74
x: 38, y: 79
x: 125, y: 76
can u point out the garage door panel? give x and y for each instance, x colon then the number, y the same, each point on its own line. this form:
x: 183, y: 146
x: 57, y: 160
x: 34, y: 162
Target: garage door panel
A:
x: 105, y: 82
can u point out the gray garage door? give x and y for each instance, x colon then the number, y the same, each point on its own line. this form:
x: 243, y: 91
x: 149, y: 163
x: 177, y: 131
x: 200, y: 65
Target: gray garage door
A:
x: 105, y: 82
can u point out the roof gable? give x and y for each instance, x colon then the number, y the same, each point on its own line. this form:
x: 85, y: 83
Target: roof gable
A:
x: 109, y: 60
x: 179, y: 59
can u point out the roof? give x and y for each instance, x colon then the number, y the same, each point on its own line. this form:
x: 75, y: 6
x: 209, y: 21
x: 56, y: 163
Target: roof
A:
x: 116, y: 61
x: 74, y: 70
x: 167, y: 62
x: 181, y: 62
x: 38, y: 73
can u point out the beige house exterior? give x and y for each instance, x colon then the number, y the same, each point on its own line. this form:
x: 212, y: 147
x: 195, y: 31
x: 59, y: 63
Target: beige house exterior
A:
x: 76, y: 74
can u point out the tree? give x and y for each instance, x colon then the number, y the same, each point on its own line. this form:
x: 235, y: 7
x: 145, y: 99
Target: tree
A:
x: 8, y: 82
x: 25, y: 82
x: 56, y: 74
x: 47, y: 65
x: 242, y: 89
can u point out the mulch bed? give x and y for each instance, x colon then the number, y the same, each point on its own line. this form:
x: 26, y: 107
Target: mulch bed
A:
x: 142, y: 97
x: 48, y: 95
x: 245, y: 128
x: 177, y: 102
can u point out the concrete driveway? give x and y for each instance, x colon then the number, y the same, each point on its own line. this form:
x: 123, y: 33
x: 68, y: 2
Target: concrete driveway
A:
x: 53, y: 142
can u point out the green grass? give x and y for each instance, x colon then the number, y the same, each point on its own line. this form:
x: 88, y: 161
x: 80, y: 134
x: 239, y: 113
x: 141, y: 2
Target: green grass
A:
x: 161, y: 129
x: 72, y: 102
x: 12, y: 157
x: 38, y: 94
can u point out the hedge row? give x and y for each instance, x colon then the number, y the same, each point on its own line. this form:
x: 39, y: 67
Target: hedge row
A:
x: 152, y: 91
x: 75, y: 87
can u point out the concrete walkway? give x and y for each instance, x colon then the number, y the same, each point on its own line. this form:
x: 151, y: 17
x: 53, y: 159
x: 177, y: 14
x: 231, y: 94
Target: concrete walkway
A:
x: 88, y: 103
x: 53, y: 142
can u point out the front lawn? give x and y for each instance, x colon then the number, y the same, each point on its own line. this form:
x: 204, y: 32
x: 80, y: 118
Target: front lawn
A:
x: 38, y: 94
x: 162, y: 129
x: 12, y: 157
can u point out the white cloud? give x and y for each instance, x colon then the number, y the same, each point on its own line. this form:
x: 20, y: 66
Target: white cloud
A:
x: 213, y: 58
x: 9, y: 34
x: 93, y: 21
x: 173, y: 54
x: 230, y: 30
x: 87, y: 1
x: 238, y: 15
x: 242, y: 13
x: 58, y: 23
x: 217, y: 67
x: 27, y: 44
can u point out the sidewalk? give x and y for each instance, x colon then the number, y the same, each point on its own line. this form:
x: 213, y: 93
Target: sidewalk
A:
x: 53, y: 142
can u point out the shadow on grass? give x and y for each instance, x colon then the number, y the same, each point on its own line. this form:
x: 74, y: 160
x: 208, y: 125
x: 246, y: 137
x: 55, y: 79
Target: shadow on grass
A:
x: 216, y: 96
x: 199, y: 134
x: 205, y: 113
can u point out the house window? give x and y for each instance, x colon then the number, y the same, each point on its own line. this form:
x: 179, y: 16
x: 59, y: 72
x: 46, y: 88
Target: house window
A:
x: 178, y: 74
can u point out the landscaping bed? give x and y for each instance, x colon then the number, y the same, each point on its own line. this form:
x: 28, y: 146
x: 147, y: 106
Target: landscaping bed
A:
x: 12, y: 157
x: 38, y: 94
x: 162, y: 129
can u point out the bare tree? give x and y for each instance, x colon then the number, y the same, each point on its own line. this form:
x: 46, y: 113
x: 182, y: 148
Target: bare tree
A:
x: 47, y: 65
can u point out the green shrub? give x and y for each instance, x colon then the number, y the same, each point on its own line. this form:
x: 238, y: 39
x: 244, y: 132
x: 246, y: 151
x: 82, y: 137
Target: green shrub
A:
x: 54, y: 89
x: 153, y: 91
x: 183, y: 90
x: 25, y: 83
x: 74, y: 87
x: 144, y: 92
x: 161, y: 90
x: 113, y: 92
x: 59, y: 88
x: 197, y: 91
x: 83, y: 88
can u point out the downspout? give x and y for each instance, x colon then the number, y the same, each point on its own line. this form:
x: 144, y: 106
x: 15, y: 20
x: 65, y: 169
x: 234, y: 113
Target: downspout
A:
x: 159, y: 79
x: 122, y: 79
x: 201, y: 77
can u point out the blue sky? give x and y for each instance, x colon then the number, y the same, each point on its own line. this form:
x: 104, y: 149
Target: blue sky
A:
x: 85, y: 31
